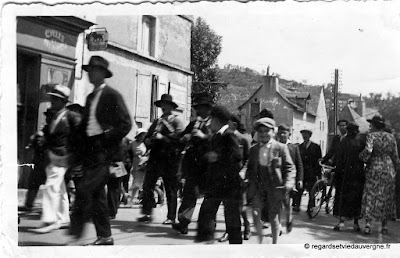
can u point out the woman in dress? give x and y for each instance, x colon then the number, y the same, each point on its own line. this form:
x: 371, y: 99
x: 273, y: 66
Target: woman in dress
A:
x: 349, y: 179
x: 380, y: 154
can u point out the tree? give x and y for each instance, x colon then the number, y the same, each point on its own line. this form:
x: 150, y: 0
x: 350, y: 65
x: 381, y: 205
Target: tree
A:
x: 205, y: 49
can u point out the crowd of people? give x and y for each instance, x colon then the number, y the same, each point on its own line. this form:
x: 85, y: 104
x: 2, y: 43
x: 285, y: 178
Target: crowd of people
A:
x: 210, y: 159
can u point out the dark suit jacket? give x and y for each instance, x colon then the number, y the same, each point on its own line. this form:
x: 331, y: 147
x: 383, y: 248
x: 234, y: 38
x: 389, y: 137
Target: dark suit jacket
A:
x: 296, y: 158
x: 332, y: 150
x: 114, y: 118
x: 281, y: 174
x: 310, y: 157
x: 223, y: 180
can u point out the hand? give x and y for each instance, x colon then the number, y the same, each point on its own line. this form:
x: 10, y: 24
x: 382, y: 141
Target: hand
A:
x: 242, y: 174
x: 159, y: 136
x: 212, y: 156
x: 185, y: 138
x: 198, y: 133
x: 299, y: 185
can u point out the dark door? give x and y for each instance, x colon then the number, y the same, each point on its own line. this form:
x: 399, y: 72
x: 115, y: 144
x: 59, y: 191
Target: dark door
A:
x: 28, y: 78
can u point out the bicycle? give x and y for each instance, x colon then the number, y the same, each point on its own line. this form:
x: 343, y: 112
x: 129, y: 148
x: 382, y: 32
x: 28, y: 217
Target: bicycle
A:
x: 319, y: 194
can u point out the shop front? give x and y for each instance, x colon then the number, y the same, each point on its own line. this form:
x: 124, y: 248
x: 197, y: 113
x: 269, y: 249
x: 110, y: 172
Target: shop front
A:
x: 46, y: 55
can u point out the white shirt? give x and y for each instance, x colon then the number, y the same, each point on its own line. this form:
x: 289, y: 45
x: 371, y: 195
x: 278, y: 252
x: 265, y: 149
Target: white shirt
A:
x: 264, y: 153
x: 223, y: 129
x: 93, y: 127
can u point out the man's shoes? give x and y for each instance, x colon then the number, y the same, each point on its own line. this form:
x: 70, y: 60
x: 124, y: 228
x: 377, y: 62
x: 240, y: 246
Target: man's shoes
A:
x: 103, y: 241
x: 168, y: 222
x: 46, y: 229
x: 145, y: 218
x: 266, y: 225
x: 289, y: 226
x: 112, y: 217
x: 181, y: 228
x: 224, y: 238
x: 339, y: 227
x: 25, y: 208
x: 246, y: 235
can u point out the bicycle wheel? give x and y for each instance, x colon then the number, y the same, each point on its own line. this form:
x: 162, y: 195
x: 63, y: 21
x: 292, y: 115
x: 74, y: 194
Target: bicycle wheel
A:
x: 329, y: 199
x: 317, y: 196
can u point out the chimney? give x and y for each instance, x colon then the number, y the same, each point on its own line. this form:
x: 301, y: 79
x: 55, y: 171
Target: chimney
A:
x: 271, y: 83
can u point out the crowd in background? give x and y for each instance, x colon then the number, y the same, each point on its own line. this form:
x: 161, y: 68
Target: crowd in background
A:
x: 211, y: 159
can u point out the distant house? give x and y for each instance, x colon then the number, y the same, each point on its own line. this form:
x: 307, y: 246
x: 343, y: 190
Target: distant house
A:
x: 352, y: 108
x: 300, y: 107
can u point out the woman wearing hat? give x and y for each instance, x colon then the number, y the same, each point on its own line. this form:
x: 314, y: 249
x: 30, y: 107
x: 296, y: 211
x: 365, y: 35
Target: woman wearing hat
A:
x: 349, y: 178
x: 382, y: 160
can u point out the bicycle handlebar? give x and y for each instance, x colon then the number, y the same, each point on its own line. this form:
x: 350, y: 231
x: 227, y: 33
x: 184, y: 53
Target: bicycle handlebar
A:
x: 325, y: 166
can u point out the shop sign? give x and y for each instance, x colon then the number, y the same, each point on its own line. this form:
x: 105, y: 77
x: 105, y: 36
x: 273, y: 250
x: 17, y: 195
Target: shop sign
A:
x: 54, y: 40
x: 97, y: 39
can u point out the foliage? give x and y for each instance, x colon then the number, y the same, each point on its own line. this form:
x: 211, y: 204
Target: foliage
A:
x: 205, y: 49
x: 388, y: 107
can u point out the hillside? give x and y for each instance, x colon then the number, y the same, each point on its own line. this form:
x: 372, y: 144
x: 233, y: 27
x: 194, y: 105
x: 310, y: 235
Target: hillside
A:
x: 242, y: 83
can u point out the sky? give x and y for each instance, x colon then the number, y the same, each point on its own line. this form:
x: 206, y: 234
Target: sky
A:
x: 308, y: 41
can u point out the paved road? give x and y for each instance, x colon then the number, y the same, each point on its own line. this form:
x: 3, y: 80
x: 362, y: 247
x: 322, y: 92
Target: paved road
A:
x: 126, y: 231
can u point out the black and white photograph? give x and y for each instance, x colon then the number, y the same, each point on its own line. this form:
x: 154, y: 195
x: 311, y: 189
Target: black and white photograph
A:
x: 192, y: 129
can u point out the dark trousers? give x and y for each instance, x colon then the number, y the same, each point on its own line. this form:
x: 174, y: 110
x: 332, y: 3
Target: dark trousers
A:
x: 113, y: 195
x: 167, y: 169
x: 189, y: 199
x: 36, y: 178
x: 207, y: 216
x: 91, y: 200
x: 297, y: 195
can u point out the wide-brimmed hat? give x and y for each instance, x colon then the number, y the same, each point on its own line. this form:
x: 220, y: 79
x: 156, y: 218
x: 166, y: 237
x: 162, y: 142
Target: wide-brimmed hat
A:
x: 265, y: 121
x: 60, y: 91
x: 140, y: 131
x: 98, y: 62
x: 202, y: 101
x: 306, y: 131
x: 377, y: 120
x: 166, y: 98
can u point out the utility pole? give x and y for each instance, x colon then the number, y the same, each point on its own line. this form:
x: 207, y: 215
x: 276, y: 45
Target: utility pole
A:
x: 335, y: 99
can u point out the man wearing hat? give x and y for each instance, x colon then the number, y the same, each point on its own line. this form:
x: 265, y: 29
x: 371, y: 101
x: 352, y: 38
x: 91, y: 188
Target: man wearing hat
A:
x: 196, y: 138
x: 58, y: 141
x: 222, y: 180
x: 106, y: 122
x: 163, y: 141
x: 271, y: 175
x: 283, y: 137
x: 310, y: 153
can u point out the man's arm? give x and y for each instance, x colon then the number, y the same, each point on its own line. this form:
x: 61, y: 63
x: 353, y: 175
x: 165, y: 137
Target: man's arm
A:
x: 288, y: 168
x: 299, y: 167
x: 122, y: 122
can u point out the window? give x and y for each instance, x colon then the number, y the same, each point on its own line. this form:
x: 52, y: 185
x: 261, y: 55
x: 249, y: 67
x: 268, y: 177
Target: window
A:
x: 148, y: 35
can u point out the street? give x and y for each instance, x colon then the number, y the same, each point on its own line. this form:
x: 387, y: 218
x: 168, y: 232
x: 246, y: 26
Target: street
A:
x: 127, y: 231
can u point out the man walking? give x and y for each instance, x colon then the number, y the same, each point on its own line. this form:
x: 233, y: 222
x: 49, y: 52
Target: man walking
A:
x: 162, y: 139
x: 196, y: 138
x: 223, y: 181
x: 283, y: 137
x: 310, y: 153
x: 57, y: 140
x: 106, y: 122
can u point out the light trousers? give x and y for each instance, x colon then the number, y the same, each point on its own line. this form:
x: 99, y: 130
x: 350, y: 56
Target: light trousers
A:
x: 55, y: 206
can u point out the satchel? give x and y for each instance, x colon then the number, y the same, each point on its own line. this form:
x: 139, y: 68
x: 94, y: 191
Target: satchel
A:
x: 117, y: 169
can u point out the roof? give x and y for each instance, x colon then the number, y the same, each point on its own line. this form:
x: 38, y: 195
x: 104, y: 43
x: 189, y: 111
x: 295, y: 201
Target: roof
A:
x: 255, y: 92
x: 351, y: 115
x: 314, y: 93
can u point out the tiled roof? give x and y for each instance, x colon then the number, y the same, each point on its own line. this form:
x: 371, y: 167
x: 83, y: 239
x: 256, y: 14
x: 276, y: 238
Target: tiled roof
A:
x: 351, y: 115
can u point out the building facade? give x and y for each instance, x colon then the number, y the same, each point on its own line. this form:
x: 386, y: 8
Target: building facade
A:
x: 148, y: 55
x: 302, y: 107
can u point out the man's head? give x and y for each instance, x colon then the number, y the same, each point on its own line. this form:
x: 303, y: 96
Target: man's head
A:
x: 342, y: 126
x: 265, y: 128
x: 220, y: 116
x: 306, y: 134
x: 166, y: 104
x: 59, y: 97
x: 283, y: 133
x: 97, y: 70
x: 202, y: 104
